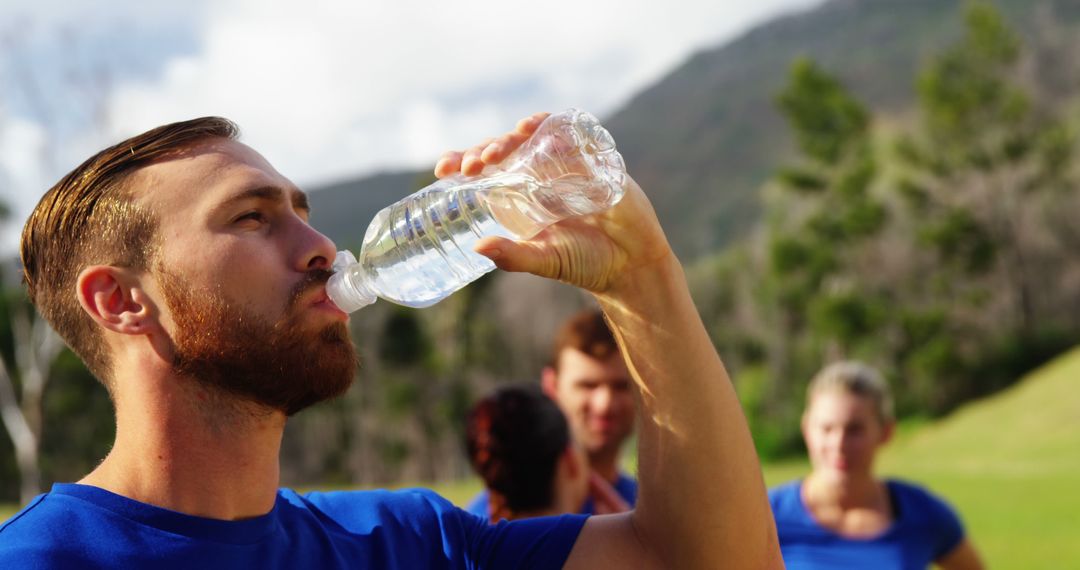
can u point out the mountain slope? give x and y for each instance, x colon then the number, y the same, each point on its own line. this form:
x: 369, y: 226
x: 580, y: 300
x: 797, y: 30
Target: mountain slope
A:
x: 703, y: 139
x: 343, y: 210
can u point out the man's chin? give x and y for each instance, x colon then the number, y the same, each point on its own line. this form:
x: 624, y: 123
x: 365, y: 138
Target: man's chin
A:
x: 602, y: 446
x: 607, y: 438
x: 339, y: 332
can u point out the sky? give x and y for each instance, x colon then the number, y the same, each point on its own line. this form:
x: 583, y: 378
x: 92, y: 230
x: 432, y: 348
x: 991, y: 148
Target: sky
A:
x: 326, y: 89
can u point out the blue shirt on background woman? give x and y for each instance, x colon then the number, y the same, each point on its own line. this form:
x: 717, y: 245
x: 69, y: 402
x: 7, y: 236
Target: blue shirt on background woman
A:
x: 841, y: 515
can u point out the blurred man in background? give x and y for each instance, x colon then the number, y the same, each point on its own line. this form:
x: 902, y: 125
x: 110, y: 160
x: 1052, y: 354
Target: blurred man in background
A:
x: 587, y: 377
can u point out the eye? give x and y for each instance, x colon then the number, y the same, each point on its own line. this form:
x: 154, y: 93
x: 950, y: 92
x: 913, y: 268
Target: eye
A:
x: 253, y: 216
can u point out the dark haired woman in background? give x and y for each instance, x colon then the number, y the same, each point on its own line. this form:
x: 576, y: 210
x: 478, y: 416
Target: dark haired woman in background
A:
x: 519, y: 443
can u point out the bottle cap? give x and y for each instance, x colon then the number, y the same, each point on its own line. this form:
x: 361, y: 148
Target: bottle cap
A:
x: 346, y: 288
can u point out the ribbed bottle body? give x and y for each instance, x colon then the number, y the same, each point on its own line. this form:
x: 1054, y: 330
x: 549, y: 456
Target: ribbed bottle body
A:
x: 420, y: 249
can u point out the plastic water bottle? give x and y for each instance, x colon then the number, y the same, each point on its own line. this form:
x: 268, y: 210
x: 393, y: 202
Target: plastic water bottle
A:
x: 419, y: 250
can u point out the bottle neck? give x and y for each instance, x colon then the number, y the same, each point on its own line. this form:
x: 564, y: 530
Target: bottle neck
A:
x: 349, y: 289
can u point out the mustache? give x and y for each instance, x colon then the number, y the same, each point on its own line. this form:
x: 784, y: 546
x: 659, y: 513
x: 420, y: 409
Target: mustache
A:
x: 313, y: 279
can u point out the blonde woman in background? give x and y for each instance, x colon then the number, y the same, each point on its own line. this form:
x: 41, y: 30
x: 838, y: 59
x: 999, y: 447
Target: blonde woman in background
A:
x: 842, y: 515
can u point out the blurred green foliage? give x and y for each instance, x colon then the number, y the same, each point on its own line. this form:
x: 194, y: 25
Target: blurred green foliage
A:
x: 927, y: 249
x: 934, y: 244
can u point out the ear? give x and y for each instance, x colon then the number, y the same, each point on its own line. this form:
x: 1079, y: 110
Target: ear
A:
x: 115, y: 299
x: 549, y: 383
x: 887, y: 431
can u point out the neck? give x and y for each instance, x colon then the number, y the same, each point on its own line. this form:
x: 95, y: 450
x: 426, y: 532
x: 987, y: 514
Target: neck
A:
x: 193, y: 451
x: 854, y: 491
x: 605, y: 462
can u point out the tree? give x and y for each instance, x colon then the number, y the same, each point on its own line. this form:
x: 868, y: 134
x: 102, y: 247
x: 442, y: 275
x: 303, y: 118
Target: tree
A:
x: 984, y: 155
x: 36, y: 348
x: 827, y: 215
x: 810, y: 287
x: 980, y: 178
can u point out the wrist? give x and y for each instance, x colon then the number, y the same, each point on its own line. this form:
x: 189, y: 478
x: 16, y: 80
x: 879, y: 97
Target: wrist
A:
x: 647, y: 290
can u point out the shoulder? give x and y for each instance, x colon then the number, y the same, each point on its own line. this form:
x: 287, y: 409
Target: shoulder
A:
x: 919, y: 500
x: 624, y: 480
x: 416, y: 524
x: 377, y: 497
x: 918, y: 508
x: 414, y: 508
x: 785, y: 497
x: 479, y: 504
x: 419, y: 520
x: 627, y: 487
x: 44, y: 534
x: 24, y: 527
x: 20, y: 520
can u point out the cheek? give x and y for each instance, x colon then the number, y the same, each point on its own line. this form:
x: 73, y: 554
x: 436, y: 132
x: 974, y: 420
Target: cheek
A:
x: 573, y: 403
x: 624, y: 406
x: 818, y: 442
x: 816, y: 451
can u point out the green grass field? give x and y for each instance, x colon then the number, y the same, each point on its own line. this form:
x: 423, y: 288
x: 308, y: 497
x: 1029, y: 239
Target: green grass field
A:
x: 1010, y: 464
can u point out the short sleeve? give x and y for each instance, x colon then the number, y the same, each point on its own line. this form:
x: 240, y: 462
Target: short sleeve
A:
x: 543, y: 542
x: 420, y: 529
x: 948, y: 530
x: 942, y: 527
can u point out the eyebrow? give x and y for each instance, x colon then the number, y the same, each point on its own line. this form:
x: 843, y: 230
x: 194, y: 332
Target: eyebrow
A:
x: 299, y: 198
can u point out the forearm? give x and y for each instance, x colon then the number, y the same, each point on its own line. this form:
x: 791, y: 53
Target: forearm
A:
x: 702, y: 501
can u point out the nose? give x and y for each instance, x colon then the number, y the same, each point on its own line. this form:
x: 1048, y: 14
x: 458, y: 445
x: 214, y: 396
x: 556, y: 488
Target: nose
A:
x: 843, y: 441
x: 316, y: 251
x: 602, y: 400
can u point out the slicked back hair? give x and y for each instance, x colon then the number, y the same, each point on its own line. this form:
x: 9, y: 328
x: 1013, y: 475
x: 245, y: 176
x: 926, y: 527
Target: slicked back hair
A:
x: 90, y: 217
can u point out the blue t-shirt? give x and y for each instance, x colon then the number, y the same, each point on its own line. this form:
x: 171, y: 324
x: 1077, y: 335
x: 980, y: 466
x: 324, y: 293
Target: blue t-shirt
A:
x: 923, y: 530
x: 625, y: 486
x: 79, y: 526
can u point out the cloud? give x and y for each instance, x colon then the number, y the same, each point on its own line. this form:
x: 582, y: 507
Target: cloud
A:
x: 21, y: 144
x: 330, y: 89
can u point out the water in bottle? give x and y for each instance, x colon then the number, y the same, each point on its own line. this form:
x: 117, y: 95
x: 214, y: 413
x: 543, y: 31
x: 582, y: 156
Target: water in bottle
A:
x: 420, y: 249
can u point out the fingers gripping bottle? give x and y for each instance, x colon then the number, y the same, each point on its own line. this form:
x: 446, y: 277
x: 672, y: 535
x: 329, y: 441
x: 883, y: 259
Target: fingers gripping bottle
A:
x: 420, y: 250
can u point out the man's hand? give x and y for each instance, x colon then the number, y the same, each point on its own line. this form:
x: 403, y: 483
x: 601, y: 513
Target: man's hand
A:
x: 694, y: 447
x: 598, y: 253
